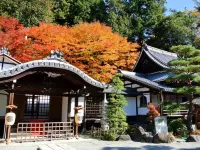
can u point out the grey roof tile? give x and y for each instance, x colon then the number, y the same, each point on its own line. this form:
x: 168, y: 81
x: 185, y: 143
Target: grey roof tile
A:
x: 158, y: 76
x: 49, y: 63
x: 141, y: 79
x: 159, y: 56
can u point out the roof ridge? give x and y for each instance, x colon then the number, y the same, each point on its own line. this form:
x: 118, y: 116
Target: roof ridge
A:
x: 160, y: 50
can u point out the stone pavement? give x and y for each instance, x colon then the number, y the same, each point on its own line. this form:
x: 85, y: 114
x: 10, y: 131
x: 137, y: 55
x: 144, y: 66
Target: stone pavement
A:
x: 94, y: 144
x: 40, y: 145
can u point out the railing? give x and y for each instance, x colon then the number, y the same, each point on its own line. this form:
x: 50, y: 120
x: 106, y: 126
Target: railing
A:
x: 177, y: 113
x: 44, y: 131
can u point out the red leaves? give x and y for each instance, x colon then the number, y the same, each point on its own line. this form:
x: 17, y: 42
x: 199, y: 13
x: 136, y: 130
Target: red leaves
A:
x: 152, y: 112
x: 92, y: 47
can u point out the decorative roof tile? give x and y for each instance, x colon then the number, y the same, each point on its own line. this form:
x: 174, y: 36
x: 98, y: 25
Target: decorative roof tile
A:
x: 56, y: 55
x: 4, y: 51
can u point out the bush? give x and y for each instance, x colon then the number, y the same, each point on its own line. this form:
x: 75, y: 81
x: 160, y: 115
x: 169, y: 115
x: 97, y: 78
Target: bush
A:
x: 178, y: 127
x: 110, y: 136
x: 115, y: 115
x: 173, y: 107
x: 152, y: 113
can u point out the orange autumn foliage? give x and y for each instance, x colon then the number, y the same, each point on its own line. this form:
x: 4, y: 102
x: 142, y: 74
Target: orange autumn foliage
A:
x: 152, y: 112
x: 91, y: 47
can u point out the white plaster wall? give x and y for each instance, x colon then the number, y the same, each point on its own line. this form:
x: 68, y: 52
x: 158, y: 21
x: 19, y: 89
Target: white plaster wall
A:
x: 64, y: 109
x: 3, y: 103
x: 72, y: 107
x: 155, y: 99
x: 135, y: 85
x: 142, y: 89
x: 81, y: 103
x: 130, y: 109
x: 143, y: 110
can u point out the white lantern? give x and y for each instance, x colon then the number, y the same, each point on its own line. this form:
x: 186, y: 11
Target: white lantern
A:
x: 10, y: 118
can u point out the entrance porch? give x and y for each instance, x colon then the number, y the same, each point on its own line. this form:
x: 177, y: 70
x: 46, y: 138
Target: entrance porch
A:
x: 46, y: 92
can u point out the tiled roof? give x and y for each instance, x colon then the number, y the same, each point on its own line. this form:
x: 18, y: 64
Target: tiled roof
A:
x: 145, y: 81
x: 159, y: 56
x: 4, y: 51
x: 158, y: 76
x: 49, y: 64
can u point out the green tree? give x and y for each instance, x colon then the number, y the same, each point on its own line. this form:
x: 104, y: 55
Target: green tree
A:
x: 115, y: 115
x: 71, y: 12
x: 28, y: 12
x: 186, y: 79
x: 136, y: 18
x: 176, y: 29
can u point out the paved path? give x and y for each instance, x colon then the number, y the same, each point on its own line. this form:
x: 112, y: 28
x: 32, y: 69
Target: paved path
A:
x: 92, y: 144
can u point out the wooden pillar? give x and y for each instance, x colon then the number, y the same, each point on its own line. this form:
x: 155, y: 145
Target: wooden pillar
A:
x: 69, y: 108
x: 84, y: 115
x: 76, y: 125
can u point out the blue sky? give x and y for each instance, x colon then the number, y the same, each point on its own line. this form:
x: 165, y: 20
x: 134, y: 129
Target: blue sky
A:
x: 179, y: 5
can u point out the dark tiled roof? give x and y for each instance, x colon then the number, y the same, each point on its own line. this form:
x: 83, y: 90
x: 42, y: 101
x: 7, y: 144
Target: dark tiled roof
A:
x: 49, y: 64
x: 159, y: 76
x: 159, y: 56
x: 145, y: 81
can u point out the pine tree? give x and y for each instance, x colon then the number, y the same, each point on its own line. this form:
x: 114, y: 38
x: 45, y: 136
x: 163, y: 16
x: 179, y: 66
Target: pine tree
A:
x: 115, y: 115
x: 186, y: 79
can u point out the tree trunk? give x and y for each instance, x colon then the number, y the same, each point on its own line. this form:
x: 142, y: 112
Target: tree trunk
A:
x: 190, y: 113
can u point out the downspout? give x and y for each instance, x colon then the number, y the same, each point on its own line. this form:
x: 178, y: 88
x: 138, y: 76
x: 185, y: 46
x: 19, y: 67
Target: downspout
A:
x: 161, y: 101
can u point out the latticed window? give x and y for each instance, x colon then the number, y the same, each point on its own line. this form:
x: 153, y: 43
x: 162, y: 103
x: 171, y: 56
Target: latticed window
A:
x: 37, y: 106
x: 94, y: 107
x: 143, y: 101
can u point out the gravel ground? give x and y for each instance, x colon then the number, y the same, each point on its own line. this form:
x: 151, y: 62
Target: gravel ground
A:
x: 92, y: 144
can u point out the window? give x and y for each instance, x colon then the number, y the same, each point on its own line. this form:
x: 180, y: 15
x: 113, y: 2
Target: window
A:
x: 37, y: 106
x: 143, y: 101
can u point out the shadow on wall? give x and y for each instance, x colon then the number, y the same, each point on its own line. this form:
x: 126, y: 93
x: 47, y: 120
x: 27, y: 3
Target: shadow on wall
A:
x: 148, y: 147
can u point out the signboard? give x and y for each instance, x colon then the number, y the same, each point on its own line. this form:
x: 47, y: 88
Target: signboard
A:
x: 161, y: 124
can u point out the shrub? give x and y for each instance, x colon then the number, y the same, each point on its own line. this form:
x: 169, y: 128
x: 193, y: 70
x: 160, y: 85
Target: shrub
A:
x: 152, y: 113
x: 110, y: 136
x: 178, y: 127
x: 173, y: 107
x: 115, y: 115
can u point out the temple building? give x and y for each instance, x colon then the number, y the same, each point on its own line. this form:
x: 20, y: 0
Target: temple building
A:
x: 146, y: 83
x: 48, y: 90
